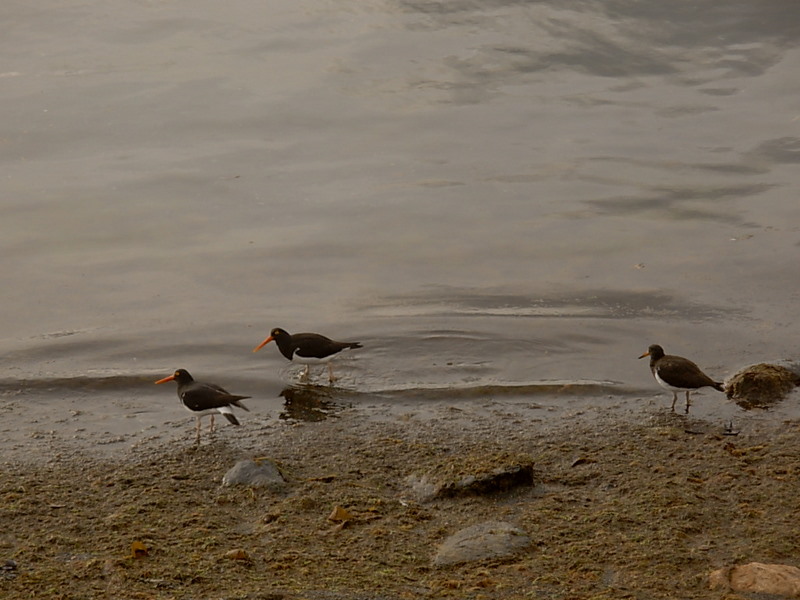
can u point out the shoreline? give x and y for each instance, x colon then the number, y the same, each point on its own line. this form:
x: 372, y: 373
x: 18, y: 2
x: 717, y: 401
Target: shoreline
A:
x: 36, y: 427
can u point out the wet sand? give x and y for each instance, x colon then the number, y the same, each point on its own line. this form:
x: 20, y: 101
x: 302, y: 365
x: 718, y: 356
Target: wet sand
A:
x: 646, y: 507
x: 109, y: 425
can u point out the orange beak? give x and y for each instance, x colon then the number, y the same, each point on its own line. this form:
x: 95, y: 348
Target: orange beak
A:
x: 645, y: 354
x: 166, y: 379
x: 262, y: 344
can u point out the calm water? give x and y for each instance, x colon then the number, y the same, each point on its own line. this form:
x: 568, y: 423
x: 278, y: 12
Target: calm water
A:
x: 496, y: 198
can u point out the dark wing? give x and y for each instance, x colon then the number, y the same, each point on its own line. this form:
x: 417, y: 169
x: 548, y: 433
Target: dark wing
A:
x: 313, y: 345
x: 232, y: 398
x: 682, y: 373
x: 207, y: 396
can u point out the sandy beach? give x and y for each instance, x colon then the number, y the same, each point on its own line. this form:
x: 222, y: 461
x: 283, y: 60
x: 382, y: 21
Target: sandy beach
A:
x: 642, y: 507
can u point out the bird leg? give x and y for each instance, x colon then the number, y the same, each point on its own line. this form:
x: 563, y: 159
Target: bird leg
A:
x: 304, y: 374
x: 331, y: 378
x: 197, y: 429
x: 688, y: 402
x: 674, y: 400
x: 212, y: 428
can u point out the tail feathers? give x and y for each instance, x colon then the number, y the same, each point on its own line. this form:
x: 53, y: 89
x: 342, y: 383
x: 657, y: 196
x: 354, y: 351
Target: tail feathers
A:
x: 232, y: 398
x: 238, y: 404
x: 227, y: 412
x: 718, y: 386
x: 353, y: 345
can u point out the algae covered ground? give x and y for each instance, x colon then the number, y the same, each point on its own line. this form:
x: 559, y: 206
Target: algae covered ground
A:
x: 640, y: 508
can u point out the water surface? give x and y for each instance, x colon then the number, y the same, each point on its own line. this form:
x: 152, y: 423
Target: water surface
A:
x: 495, y: 198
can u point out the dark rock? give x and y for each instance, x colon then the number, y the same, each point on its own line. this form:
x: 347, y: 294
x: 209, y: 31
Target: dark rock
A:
x: 761, y: 385
x: 501, y: 479
x: 8, y: 570
x: 264, y: 473
x: 443, y: 483
x: 483, y: 541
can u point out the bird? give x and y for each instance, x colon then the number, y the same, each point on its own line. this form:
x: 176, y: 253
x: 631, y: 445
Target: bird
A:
x: 307, y: 349
x: 205, y: 399
x: 675, y: 373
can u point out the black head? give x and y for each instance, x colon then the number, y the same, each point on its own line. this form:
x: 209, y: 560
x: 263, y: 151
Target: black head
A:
x: 181, y: 376
x: 278, y: 333
x: 654, y: 352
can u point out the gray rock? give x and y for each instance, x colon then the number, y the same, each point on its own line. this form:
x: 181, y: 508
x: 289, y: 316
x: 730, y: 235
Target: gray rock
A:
x: 421, y: 489
x: 494, y: 539
x: 262, y: 474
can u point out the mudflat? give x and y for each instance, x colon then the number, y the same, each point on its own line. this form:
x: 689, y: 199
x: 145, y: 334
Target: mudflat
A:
x: 619, y: 508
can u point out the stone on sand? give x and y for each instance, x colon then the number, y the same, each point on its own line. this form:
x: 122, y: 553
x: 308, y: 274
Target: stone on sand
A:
x: 503, y: 478
x: 264, y: 473
x: 493, y: 539
x: 761, y: 385
x: 758, y: 578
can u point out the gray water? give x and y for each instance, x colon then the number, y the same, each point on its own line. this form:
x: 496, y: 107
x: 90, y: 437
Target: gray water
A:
x: 499, y: 199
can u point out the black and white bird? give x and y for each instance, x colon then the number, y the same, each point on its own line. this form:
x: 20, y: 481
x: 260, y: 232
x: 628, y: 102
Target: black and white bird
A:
x: 678, y: 374
x: 205, y: 399
x: 308, y: 349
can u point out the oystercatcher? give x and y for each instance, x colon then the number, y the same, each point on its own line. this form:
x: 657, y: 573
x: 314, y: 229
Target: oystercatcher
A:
x: 307, y: 349
x: 676, y: 374
x: 205, y: 399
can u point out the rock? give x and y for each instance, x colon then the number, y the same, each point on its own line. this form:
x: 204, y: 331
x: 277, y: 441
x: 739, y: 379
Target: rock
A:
x: 237, y: 554
x: 761, y: 385
x: 8, y: 570
x: 501, y: 479
x: 482, y: 481
x: 758, y: 578
x: 422, y: 489
x: 262, y: 474
x: 494, y: 539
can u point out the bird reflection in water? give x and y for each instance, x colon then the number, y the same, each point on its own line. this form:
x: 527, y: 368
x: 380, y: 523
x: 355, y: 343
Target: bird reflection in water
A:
x: 308, y: 403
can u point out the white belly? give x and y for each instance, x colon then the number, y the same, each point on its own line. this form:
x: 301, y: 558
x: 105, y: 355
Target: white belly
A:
x: 669, y: 387
x: 310, y: 360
